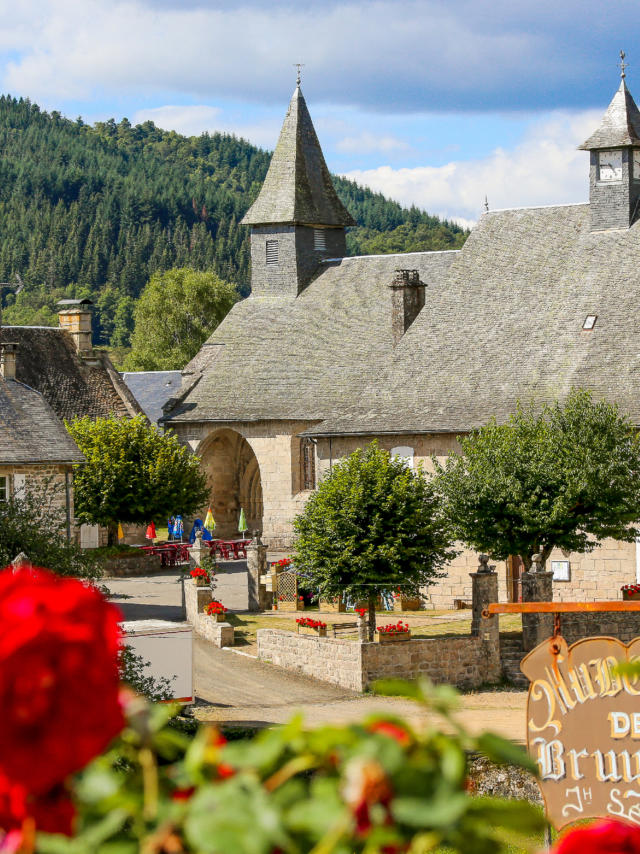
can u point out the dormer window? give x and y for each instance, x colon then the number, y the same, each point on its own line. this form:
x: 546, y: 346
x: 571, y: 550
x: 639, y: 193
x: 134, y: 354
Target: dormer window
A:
x: 272, y: 252
x: 610, y: 166
x: 319, y: 239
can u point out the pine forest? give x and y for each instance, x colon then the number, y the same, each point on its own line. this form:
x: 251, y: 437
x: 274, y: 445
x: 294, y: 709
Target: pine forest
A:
x: 94, y: 210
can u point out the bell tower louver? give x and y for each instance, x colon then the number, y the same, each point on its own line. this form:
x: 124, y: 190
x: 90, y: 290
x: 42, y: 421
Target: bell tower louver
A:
x: 297, y: 219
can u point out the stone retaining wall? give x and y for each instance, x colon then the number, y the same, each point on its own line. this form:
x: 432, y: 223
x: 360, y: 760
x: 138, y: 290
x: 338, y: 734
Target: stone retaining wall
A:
x: 130, y: 564
x: 617, y: 624
x: 462, y: 661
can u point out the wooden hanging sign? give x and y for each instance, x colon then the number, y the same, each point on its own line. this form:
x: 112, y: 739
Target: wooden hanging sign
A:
x: 583, y: 728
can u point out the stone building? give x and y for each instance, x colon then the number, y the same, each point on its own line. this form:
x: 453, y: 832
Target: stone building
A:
x: 35, y: 448
x: 416, y: 349
x: 74, y: 379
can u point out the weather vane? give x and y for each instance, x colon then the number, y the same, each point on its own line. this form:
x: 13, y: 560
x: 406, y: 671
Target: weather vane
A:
x: 298, y: 65
x: 623, y: 65
x: 486, y: 204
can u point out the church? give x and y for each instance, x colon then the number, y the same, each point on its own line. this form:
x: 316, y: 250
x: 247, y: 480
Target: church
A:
x: 330, y: 352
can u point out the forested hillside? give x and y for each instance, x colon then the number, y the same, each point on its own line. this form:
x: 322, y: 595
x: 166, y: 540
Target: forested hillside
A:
x: 95, y: 210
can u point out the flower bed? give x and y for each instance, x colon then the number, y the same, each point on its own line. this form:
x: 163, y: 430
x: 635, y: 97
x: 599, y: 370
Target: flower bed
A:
x: 216, y: 610
x: 630, y: 591
x: 309, y: 626
x: 200, y: 576
x: 393, y: 632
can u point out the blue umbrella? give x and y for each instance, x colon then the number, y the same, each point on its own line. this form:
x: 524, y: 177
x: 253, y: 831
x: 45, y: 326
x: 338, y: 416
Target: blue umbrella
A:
x: 198, y: 526
x: 178, y: 528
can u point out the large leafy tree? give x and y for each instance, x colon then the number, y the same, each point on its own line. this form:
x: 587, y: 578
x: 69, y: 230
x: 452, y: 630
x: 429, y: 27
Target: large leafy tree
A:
x: 133, y: 472
x: 566, y: 476
x: 176, y: 313
x: 35, y: 524
x: 372, y: 526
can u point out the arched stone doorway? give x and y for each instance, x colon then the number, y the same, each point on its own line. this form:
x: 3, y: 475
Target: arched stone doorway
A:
x: 234, y: 481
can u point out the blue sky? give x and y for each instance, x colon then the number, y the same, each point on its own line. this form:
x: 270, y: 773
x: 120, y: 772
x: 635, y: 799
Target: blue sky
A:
x: 432, y: 102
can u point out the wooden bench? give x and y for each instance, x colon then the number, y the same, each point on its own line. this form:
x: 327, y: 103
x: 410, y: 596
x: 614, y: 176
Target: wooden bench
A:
x: 343, y: 628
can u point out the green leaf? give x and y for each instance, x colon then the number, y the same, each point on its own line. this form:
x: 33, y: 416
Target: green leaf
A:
x: 504, y: 752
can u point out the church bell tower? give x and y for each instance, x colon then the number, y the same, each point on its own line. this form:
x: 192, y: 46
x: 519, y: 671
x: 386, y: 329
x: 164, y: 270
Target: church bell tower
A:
x: 297, y: 219
x: 614, y: 173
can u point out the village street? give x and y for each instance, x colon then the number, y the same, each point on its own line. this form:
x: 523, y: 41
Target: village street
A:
x: 233, y: 687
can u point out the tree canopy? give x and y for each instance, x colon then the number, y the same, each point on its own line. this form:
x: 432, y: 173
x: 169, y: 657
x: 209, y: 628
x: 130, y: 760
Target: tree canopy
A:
x: 36, y: 525
x: 566, y: 477
x: 373, y: 526
x: 95, y: 211
x: 133, y: 472
x: 176, y: 313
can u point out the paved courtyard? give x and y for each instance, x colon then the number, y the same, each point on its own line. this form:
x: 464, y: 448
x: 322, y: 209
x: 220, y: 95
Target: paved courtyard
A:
x: 235, y: 688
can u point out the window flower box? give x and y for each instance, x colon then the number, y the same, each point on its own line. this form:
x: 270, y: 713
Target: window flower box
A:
x: 406, y: 603
x: 309, y: 626
x: 394, y: 633
x: 289, y: 604
x: 332, y: 606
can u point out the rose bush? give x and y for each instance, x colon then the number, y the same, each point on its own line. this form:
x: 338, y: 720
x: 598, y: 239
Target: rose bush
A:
x: 602, y: 837
x: 58, y: 677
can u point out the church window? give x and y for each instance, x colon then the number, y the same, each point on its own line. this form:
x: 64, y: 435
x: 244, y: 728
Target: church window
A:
x: 590, y: 321
x: 3, y: 488
x: 308, y: 463
x: 272, y: 251
x: 319, y: 239
x: 405, y: 454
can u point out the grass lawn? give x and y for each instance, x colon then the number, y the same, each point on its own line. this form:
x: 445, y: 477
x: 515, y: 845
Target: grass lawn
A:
x: 424, y: 624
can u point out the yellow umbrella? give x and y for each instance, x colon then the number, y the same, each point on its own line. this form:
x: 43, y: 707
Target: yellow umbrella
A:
x: 120, y: 532
x: 209, y: 522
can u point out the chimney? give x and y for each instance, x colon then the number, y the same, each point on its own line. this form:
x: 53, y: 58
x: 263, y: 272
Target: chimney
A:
x: 8, y: 361
x: 407, y: 300
x: 74, y: 315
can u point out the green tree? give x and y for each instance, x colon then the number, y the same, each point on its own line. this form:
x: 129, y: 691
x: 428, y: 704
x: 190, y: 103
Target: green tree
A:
x: 372, y: 526
x: 35, y: 524
x: 176, y: 313
x: 133, y: 473
x: 565, y: 477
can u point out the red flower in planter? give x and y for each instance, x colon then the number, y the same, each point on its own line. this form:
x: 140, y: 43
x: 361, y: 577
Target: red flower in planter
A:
x: 59, y: 680
x: 361, y: 612
x: 603, y: 837
x: 310, y: 623
x: 630, y: 588
x: 198, y: 572
x: 215, y: 607
x: 398, y: 628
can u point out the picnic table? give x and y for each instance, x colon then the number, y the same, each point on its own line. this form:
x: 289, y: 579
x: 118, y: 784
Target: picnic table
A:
x: 229, y: 549
x: 170, y: 554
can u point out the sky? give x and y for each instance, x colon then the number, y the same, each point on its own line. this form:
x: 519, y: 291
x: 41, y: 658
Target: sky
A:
x: 432, y: 102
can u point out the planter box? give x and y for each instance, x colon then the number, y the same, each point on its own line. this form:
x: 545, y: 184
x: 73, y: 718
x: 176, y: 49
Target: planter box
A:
x: 336, y: 607
x: 394, y: 637
x: 630, y: 597
x: 289, y: 606
x: 307, y: 630
x: 407, y: 603
x: 217, y: 618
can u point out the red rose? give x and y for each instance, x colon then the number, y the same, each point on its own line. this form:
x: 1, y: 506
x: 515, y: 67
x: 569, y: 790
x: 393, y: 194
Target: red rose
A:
x: 51, y: 813
x: 392, y: 730
x: 58, y: 677
x: 603, y: 837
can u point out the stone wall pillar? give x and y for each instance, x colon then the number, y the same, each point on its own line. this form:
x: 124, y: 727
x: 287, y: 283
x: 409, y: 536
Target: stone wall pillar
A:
x: 257, y: 569
x: 537, y: 586
x: 484, y: 590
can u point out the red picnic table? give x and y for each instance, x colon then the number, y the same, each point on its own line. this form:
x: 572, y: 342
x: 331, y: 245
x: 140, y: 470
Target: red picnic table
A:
x: 229, y: 549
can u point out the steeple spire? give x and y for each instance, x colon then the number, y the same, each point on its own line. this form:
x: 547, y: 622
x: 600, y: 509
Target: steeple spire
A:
x: 298, y: 189
x: 620, y: 124
x: 623, y: 65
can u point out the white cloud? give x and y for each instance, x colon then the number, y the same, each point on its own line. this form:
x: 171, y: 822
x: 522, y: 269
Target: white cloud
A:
x: 543, y: 169
x: 371, y: 142
x: 371, y: 53
x: 188, y: 120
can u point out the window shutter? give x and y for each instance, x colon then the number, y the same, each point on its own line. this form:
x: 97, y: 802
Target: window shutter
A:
x: 308, y: 463
x: 319, y: 239
x: 272, y: 251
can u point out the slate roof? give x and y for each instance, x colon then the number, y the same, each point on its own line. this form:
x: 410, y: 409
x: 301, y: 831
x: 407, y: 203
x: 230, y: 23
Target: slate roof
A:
x: 298, y: 189
x: 48, y: 362
x: 152, y: 389
x: 30, y: 432
x: 303, y: 357
x: 620, y: 124
x: 505, y: 323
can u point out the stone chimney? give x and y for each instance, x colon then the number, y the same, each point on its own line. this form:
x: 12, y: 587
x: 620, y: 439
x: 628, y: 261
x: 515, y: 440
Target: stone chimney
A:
x: 74, y: 315
x: 407, y: 300
x: 8, y: 361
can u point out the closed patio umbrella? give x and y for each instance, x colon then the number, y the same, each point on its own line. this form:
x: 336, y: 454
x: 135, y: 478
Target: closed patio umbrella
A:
x: 209, y: 521
x: 242, y: 522
x: 151, y: 531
